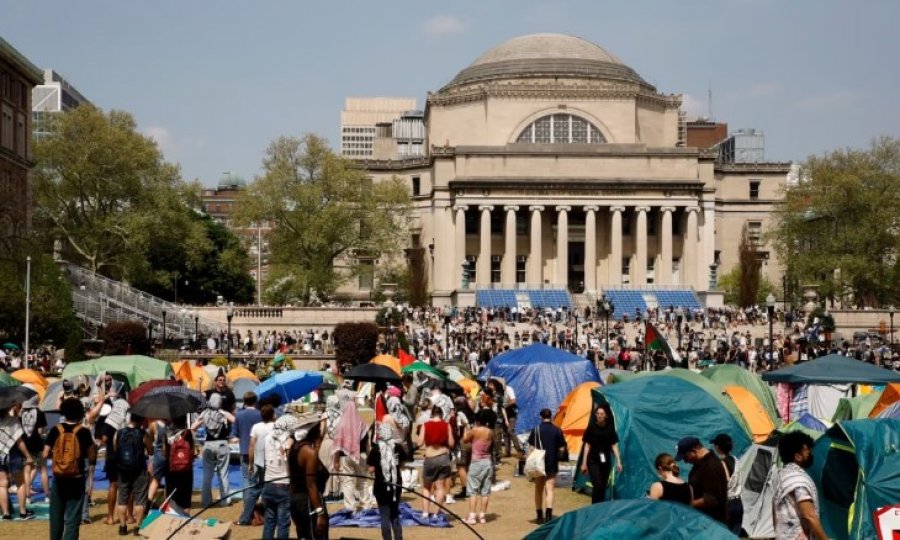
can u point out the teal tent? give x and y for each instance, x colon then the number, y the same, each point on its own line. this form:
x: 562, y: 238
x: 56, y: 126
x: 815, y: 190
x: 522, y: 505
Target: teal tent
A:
x: 650, y: 414
x: 856, y: 468
x: 639, y: 518
x: 730, y: 374
x: 833, y: 369
x: 856, y: 408
x: 136, y: 368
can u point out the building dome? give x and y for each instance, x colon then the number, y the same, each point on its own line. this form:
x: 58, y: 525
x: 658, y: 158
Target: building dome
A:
x: 546, y: 55
x: 231, y: 181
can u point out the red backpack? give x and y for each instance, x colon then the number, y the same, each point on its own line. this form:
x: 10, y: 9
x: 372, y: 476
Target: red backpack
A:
x: 180, y: 454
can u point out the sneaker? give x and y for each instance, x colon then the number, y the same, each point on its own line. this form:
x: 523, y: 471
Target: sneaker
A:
x: 123, y: 530
x: 471, y: 520
x: 7, y: 517
x: 26, y: 516
x: 449, y: 500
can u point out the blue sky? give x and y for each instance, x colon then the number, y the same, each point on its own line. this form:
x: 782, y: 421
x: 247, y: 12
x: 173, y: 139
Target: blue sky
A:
x: 215, y: 80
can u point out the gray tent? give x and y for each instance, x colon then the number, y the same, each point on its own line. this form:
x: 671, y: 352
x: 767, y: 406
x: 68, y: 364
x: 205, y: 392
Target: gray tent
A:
x: 758, y: 470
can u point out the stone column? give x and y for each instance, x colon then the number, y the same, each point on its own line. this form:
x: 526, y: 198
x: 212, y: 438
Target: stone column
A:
x: 483, y: 272
x: 460, y: 238
x: 664, y: 270
x: 691, y: 241
x: 708, y: 257
x: 615, y: 245
x: 640, y: 251
x: 508, y: 273
x: 535, y: 257
x: 562, y: 245
x: 590, y: 248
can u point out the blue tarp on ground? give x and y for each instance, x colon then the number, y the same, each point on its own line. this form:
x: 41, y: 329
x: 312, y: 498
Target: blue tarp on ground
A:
x: 370, y: 518
x: 541, y: 376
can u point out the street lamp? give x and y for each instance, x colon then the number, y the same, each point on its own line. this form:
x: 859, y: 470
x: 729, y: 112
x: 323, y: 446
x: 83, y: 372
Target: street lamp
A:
x: 229, y: 315
x: 891, y: 315
x: 183, y: 314
x: 196, y: 325
x: 770, y: 308
x: 150, y: 335
x: 679, y: 318
x: 605, y: 306
x: 164, y: 330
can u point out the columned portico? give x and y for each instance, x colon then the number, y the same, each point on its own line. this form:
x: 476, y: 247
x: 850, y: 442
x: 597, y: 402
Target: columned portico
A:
x: 460, y: 225
x: 483, y: 272
x: 615, y: 243
x: 640, y: 248
x: 562, y: 245
x: 590, y: 247
x: 536, y: 259
x: 664, y: 269
x: 508, y: 271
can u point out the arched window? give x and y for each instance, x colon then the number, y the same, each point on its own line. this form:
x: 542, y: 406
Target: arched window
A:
x: 561, y: 129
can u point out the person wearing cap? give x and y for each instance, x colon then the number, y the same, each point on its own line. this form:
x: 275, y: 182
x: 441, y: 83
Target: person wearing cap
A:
x: 708, y: 478
x: 723, y: 445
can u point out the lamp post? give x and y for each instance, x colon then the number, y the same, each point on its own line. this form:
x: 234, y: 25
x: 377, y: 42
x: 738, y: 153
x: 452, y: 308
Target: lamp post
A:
x: 183, y: 332
x: 229, y: 315
x: 679, y: 318
x: 770, y: 308
x: 150, y: 335
x: 196, y: 325
x: 605, y: 307
x: 891, y: 315
x: 27, y: 307
x: 164, y: 330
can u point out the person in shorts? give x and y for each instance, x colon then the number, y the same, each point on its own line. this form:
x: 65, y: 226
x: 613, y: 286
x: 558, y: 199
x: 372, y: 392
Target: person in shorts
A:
x: 134, y: 477
x: 436, y: 438
x: 481, y: 469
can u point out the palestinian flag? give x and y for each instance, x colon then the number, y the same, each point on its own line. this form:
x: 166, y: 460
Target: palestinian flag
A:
x: 655, y: 341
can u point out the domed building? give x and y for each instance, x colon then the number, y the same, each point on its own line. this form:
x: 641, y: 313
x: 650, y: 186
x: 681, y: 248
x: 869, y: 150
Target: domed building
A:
x: 553, y: 165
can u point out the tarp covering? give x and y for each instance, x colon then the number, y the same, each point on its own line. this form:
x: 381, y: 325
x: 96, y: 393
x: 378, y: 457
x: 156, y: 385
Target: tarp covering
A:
x: 726, y: 374
x: 855, y: 408
x: 889, y: 396
x: 137, y: 369
x: 541, y: 376
x: 574, y: 413
x: 833, y: 369
x: 825, y: 398
x: 856, y: 468
x: 651, y: 414
x: 370, y: 518
x: 640, y: 518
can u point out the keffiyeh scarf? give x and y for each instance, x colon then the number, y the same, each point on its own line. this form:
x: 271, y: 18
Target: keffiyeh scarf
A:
x: 385, y: 438
x: 399, y: 413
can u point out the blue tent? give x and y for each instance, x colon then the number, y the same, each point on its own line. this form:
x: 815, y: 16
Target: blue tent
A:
x: 651, y: 414
x: 541, y: 376
x: 639, y: 518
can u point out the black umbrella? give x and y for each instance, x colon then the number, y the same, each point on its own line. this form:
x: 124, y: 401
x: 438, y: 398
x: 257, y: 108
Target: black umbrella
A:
x: 11, y: 396
x: 167, y: 406
x: 180, y: 390
x: 372, y: 373
x: 444, y: 385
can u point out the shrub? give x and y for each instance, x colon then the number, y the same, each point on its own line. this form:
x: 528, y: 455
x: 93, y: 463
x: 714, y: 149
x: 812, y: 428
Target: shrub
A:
x: 355, y: 342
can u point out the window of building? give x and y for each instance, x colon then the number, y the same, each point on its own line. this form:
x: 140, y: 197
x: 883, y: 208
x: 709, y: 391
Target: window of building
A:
x: 521, y: 262
x: 21, y: 136
x: 6, y: 126
x: 521, y: 224
x: 626, y: 270
x: 754, y: 189
x: 416, y: 241
x: 754, y: 232
x: 495, y: 268
x: 561, y: 129
x: 416, y: 186
x: 366, y: 275
x: 651, y: 270
x: 472, y: 222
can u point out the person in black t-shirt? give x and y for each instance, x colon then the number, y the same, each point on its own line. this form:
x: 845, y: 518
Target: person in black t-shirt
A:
x: 221, y: 387
x: 599, y: 445
x: 708, y: 478
x: 67, y: 493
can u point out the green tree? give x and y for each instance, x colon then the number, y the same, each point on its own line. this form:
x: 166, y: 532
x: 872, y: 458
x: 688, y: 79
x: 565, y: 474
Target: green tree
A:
x: 326, y: 215
x: 748, y: 264
x: 730, y: 284
x: 839, y: 227
x: 52, y: 316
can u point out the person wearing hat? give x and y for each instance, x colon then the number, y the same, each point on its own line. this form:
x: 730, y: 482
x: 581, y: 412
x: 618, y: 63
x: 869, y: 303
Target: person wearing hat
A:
x: 723, y: 445
x: 708, y: 478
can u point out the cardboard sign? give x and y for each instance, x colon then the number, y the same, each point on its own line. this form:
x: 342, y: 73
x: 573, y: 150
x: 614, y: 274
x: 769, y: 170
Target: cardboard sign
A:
x: 198, y: 529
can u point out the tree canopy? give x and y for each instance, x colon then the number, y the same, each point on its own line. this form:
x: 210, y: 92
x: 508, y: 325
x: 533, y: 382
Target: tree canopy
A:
x: 326, y: 216
x: 839, y: 227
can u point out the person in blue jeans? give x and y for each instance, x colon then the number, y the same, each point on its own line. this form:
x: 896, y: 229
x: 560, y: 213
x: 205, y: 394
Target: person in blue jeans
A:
x: 244, y: 420
x: 215, y: 449
x: 67, y: 490
x: 276, y: 494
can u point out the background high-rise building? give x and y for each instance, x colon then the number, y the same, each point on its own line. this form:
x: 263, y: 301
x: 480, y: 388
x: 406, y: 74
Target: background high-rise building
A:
x: 55, y: 95
x: 360, y: 118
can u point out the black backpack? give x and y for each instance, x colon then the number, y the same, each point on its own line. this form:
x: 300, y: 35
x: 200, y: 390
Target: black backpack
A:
x: 130, y: 451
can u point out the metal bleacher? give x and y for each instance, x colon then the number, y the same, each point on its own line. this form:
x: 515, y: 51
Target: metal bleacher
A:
x: 629, y: 301
x: 523, y: 298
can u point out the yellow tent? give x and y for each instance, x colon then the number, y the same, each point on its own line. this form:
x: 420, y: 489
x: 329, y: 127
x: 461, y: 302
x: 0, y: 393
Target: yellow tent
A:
x: 574, y: 413
x: 388, y: 361
x: 470, y: 387
x: 890, y: 395
x: 752, y: 410
x: 31, y: 376
x: 240, y: 373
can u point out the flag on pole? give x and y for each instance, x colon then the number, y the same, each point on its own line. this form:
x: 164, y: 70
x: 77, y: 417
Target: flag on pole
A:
x: 656, y: 342
x: 405, y: 358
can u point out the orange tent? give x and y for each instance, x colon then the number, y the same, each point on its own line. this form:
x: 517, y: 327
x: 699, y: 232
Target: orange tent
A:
x: 241, y: 373
x: 574, y: 413
x: 194, y: 377
x: 752, y: 410
x: 890, y: 395
x: 31, y: 376
x: 388, y: 361
x: 470, y: 387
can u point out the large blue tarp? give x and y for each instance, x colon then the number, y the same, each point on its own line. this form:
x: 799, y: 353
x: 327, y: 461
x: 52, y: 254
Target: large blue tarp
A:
x: 541, y: 376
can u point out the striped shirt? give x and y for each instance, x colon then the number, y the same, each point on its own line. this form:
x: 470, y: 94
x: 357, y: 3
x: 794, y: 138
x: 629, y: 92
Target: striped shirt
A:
x: 792, y: 486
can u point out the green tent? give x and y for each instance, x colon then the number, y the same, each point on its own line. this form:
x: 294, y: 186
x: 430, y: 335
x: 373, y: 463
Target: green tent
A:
x: 136, y: 368
x: 650, y: 415
x: 856, y: 408
x: 639, y: 518
x: 729, y: 374
x: 713, y: 389
x: 7, y: 380
x: 833, y: 369
x: 856, y: 468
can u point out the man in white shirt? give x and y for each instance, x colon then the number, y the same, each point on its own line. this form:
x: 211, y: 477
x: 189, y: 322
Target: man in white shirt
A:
x: 256, y: 459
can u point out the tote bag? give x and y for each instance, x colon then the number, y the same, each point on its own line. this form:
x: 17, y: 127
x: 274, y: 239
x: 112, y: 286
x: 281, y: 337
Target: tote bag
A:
x: 534, y: 465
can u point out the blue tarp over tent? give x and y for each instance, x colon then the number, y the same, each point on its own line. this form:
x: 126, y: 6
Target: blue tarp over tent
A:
x: 541, y: 376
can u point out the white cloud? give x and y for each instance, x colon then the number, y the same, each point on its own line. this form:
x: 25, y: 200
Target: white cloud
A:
x: 162, y: 136
x: 443, y: 25
x: 693, y: 107
x: 828, y: 100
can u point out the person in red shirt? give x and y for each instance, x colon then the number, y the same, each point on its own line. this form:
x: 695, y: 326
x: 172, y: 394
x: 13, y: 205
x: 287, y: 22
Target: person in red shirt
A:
x: 436, y: 437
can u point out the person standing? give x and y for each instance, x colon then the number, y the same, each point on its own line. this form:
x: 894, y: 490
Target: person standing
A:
x: 276, y: 493
x: 670, y: 487
x: 34, y: 422
x: 308, y: 478
x: 548, y: 437
x: 159, y: 457
x: 131, y: 446
x: 257, y: 462
x: 349, y: 434
x: 481, y: 468
x: 12, y: 441
x: 244, y: 420
x: 180, y: 462
x: 436, y: 437
x: 708, y: 478
x: 71, y: 447
x: 723, y: 445
x: 215, y: 448
x: 383, y: 461
x: 600, y: 444
x: 796, y: 501
x: 21, y: 464
x: 221, y: 387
